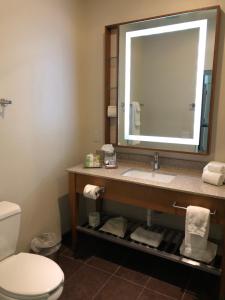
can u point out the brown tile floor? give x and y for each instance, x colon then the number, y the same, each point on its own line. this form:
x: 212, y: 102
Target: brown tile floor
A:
x: 105, y: 271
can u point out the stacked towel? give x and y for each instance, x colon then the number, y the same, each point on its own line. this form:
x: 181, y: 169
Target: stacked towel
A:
x: 206, y: 255
x: 147, y: 237
x: 214, y: 173
x: 195, y: 244
x: 217, y: 167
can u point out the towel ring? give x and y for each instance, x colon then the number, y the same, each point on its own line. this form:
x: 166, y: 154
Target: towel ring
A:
x: 185, y: 208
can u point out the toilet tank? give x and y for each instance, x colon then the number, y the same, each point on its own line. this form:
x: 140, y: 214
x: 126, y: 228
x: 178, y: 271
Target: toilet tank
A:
x: 9, y: 228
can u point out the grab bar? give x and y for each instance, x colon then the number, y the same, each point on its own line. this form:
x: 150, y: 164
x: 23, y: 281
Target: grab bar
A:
x: 181, y: 207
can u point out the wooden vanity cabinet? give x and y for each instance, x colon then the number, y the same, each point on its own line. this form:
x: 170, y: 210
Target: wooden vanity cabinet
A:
x: 155, y: 198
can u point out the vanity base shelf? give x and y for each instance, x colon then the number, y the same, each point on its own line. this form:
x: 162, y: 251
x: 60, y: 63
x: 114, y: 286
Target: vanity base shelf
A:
x: 168, y: 249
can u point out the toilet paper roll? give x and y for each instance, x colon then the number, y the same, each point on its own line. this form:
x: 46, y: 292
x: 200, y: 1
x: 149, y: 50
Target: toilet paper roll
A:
x: 92, y: 191
x: 112, y: 111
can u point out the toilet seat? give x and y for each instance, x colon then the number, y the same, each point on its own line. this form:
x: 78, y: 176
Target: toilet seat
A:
x: 29, y: 275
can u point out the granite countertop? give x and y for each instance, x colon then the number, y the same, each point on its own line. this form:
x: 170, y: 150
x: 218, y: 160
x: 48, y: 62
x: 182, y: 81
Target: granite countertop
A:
x: 186, y: 179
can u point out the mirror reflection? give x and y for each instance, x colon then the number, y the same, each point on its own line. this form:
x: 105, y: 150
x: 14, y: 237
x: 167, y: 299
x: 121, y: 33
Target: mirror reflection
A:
x: 165, y: 77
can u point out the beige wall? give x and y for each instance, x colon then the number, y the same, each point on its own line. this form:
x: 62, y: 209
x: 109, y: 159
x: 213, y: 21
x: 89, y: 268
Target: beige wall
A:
x: 100, y: 13
x: 40, y: 134
x: 52, y: 67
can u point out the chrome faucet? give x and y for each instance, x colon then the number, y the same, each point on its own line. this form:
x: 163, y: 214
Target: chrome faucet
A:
x: 156, y: 161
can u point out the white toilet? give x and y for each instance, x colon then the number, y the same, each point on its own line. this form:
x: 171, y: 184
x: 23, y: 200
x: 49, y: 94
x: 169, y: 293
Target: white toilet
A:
x: 24, y: 276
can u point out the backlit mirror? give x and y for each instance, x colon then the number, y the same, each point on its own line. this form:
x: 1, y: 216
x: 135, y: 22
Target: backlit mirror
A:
x: 165, y: 78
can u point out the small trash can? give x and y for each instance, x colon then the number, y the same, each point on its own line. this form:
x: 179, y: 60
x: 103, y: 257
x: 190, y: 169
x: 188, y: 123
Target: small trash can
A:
x: 46, y: 244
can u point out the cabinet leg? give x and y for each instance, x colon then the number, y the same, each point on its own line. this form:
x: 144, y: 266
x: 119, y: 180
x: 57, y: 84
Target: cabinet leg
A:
x: 222, y: 279
x: 74, y: 208
x: 99, y: 204
x: 222, y: 285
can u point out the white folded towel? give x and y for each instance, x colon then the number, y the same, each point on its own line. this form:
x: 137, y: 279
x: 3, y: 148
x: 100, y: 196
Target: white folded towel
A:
x: 212, y: 177
x: 217, y: 167
x: 204, y: 255
x: 147, y: 237
x: 116, y: 226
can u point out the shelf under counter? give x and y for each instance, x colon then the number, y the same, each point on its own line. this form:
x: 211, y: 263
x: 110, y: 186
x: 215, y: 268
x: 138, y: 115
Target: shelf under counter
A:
x: 168, y: 248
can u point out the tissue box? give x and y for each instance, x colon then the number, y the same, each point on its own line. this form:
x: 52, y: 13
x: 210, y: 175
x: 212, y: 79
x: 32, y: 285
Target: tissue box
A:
x: 92, y: 161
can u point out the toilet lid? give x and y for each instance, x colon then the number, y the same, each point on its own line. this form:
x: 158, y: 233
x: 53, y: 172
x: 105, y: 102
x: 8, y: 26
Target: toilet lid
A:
x: 29, y: 275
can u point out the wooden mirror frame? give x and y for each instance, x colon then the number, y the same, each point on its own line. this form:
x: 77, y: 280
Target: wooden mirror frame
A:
x: 114, y: 29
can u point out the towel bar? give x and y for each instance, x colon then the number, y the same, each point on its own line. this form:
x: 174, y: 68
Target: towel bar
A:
x: 181, y: 207
x: 123, y: 104
x: 5, y: 102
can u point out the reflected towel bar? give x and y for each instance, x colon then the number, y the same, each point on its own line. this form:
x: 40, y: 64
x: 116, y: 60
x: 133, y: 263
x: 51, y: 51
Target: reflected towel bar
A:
x: 185, y: 208
x: 123, y: 104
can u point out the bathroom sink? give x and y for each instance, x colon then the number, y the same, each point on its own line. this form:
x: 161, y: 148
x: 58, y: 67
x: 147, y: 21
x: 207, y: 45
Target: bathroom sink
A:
x: 156, y: 176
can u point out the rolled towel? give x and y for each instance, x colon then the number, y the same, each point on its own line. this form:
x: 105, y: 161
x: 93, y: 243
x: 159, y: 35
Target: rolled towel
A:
x: 217, y: 167
x: 212, y: 178
x: 92, y: 191
x: 116, y: 226
x: 147, y: 237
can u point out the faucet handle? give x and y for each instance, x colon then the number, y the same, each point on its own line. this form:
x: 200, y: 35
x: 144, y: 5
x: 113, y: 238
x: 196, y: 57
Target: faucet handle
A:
x: 156, y: 161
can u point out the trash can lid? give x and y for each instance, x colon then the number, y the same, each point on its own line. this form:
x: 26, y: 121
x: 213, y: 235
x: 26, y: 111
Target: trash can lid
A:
x: 45, y: 240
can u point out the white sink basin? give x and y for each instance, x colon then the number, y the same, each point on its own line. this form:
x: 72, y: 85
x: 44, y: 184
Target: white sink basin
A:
x: 156, y: 176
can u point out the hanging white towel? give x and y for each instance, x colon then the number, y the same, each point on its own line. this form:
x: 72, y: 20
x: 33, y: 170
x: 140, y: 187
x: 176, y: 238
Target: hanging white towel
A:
x: 197, y: 227
x: 135, y: 121
x: 197, y: 221
x: 195, y: 244
x: 135, y: 118
x: 136, y: 113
